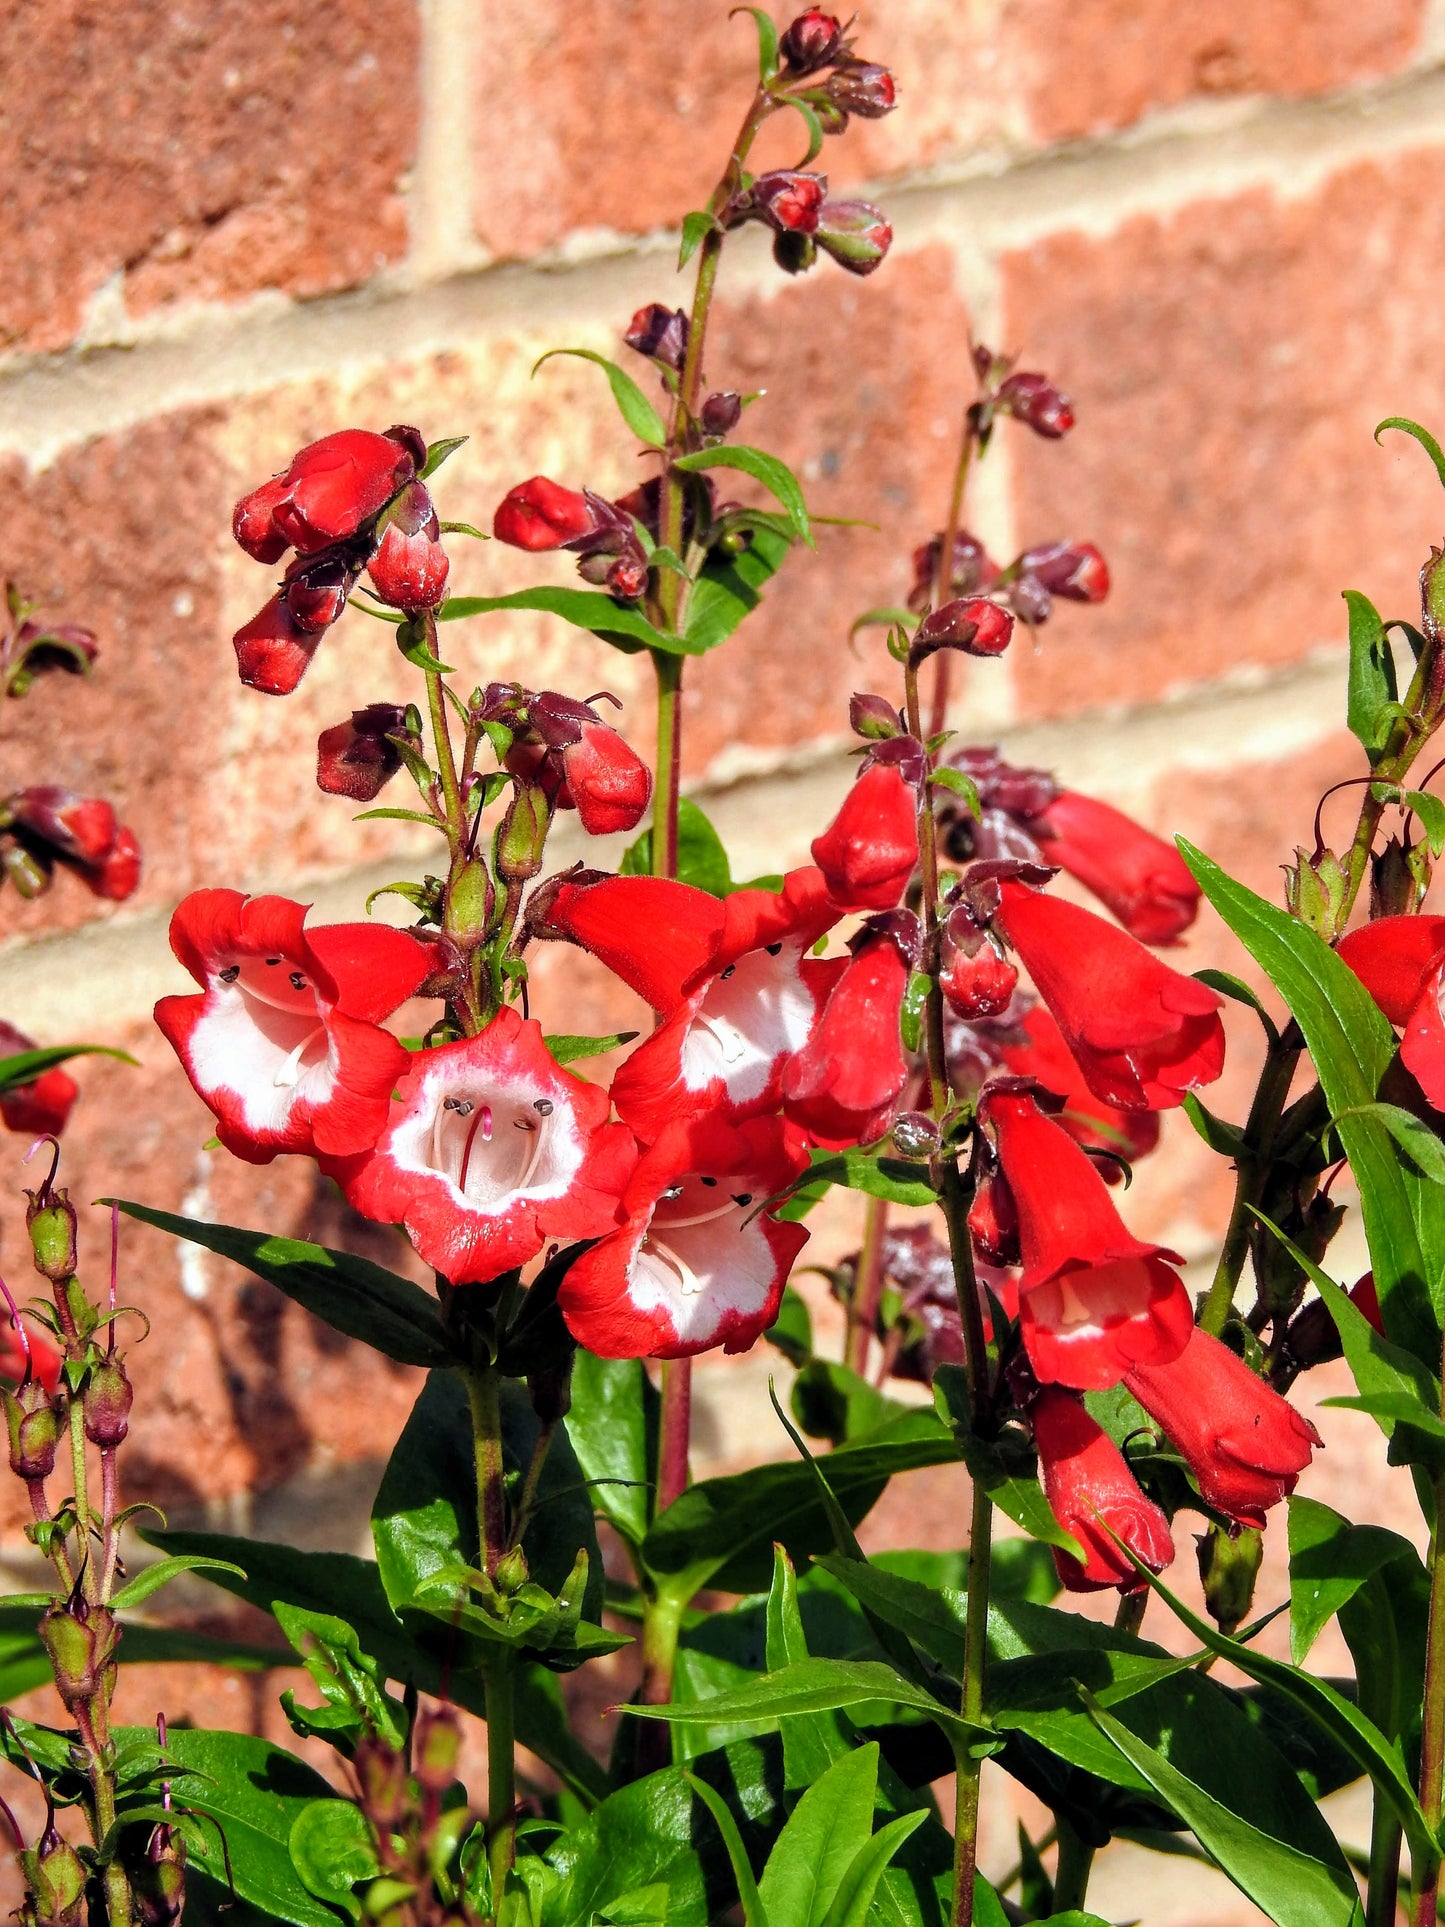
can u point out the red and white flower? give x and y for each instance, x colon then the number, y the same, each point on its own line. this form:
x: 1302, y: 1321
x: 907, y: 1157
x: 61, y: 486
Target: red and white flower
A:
x: 285, y: 1044
x: 695, y: 1264
x: 491, y: 1148
x: 731, y: 978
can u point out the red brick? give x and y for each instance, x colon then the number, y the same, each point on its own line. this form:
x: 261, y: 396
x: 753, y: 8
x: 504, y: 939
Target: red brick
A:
x: 1091, y: 68
x: 201, y: 151
x: 1229, y: 365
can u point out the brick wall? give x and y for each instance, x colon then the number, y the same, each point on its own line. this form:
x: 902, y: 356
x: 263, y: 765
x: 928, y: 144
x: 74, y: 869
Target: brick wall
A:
x: 231, y: 227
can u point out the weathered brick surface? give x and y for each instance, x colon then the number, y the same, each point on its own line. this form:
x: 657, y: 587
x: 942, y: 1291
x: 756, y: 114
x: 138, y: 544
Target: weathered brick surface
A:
x: 199, y: 151
x: 1230, y: 363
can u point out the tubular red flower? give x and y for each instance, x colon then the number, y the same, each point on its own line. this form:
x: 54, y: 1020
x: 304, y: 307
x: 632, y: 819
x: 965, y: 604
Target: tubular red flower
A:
x: 843, y: 1086
x: 81, y: 832
x: 1401, y: 962
x: 604, y: 780
x: 357, y: 758
x: 695, y: 1264
x: 1245, y: 1445
x: 870, y: 849
x: 490, y: 1149
x: 273, y: 651
x: 285, y: 1045
x: 1098, y: 1126
x: 331, y: 488
x: 43, y: 1105
x: 1094, y: 1300
x: 541, y: 514
x: 410, y: 567
x: 1093, y: 1495
x: 1141, y: 1033
x: 1138, y: 876
x: 732, y: 979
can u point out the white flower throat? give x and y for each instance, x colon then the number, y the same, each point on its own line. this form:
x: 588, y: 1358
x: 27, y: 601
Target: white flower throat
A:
x: 493, y: 1144
x: 685, y: 1257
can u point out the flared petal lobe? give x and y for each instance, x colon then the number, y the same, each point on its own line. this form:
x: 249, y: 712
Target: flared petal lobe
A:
x: 1401, y: 962
x: 1095, y: 1497
x: 870, y: 850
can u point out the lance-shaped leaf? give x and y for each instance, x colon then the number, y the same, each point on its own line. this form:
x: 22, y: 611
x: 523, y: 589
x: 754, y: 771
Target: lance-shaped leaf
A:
x: 624, y: 627
x: 24, y: 1066
x: 1329, y: 1561
x: 633, y: 406
x: 1371, y: 688
x: 776, y: 477
x: 729, y: 588
x: 151, y: 1578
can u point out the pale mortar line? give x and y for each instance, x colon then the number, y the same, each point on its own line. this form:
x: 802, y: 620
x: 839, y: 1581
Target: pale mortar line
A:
x: 997, y: 200
x: 766, y: 809
x: 439, y: 203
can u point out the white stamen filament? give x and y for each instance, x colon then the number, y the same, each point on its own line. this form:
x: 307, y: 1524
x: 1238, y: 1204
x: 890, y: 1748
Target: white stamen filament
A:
x: 1075, y: 1311
x: 732, y: 1045
x: 288, y: 1072
x: 689, y: 1282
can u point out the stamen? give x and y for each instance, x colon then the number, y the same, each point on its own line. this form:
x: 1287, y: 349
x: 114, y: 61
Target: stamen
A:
x: 723, y: 975
x: 230, y: 973
x: 288, y: 1074
x: 543, y: 1106
x: 672, y: 1191
x: 773, y: 949
x: 732, y: 1046
x: 298, y: 981
x: 482, y: 1122
x: 742, y: 1197
x: 273, y: 961
x: 709, y: 1182
x: 688, y: 1281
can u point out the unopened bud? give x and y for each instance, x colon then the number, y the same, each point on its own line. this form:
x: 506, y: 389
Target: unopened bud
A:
x: 915, y: 1134
x: 863, y: 88
x: 108, y: 1396
x: 626, y: 578
x: 51, y: 1221
x: 25, y: 870
x: 721, y: 413
x: 811, y: 41
x: 794, y: 253
x: 34, y: 1429
x: 874, y: 718
x: 469, y: 904
x: 316, y: 591
x: 512, y: 1571
x: 660, y: 334
x: 80, y: 1650
x: 855, y: 233
x: 977, y: 626
x: 788, y: 199
x: 1035, y: 401
x: 1314, y: 889
x: 522, y: 834
x: 56, y: 1877
x: 435, y: 1749
x: 1075, y: 570
x: 1229, y: 1566
x: 159, y: 1886
x: 979, y: 981
x: 1399, y: 878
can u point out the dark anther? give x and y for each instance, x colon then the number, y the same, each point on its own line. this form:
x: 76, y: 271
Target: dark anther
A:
x: 298, y: 981
x: 275, y: 960
x: 230, y: 973
x: 543, y: 1106
x: 742, y: 1197
x: 709, y: 1182
x: 725, y: 974
x: 773, y: 949
x: 463, y: 1106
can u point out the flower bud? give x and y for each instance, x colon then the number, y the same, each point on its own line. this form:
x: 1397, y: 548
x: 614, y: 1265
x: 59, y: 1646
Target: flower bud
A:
x: 1030, y: 600
x: 24, y: 869
x: 811, y: 41
x: 470, y: 902
x: 604, y: 780
x: 855, y: 233
x: 41, y: 1107
x: 993, y: 1221
x: 56, y: 1877
x: 37, y: 647
x: 436, y: 1745
x: 1229, y: 1565
x: 1314, y: 890
x: 51, y: 1221
x: 34, y: 1429
x: 1399, y: 878
x: 1034, y: 400
x: 522, y: 834
x: 512, y: 1572
x: 80, y: 1649
x: 860, y: 87
x: 356, y: 758
x: 788, y: 199
x: 540, y: 514
x: 1075, y: 570
x: 915, y: 1134
x: 82, y: 828
x: 316, y: 591
x: 158, y: 1886
x: 410, y: 567
x: 659, y: 333
x: 794, y: 253
x: 874, y: 718
x: 979, y: 982
x: 977, y: 626
x: 108, y: 1396
x: 721, y: 413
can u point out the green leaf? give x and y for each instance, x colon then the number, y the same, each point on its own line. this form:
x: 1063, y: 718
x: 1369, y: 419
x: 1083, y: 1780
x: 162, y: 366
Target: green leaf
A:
x: 701, y: 859
x: 255, y: 1792
x: 811, y: 1741
x: 1412, y: 1134
x: 1236, y: 988
x: 831, y: 1401
x: 810, y: 121
x: 776, y: 477
x: 961, y: 785
x: 633, y: 406
x: 854, y: 1899
x: 613, y: 1428
x: 624, y: 627
x: 332, y: 1847
x: 1005, y: 1467
x: 729, y: 587
x: 767, y: 45
x: 820, y: 1842
x: 350, y: 1681
x: 899, y: 1180
x: 439, y: 451
x: 1227, y: 1139
x: 754, y: 1913
x: 413, y: 641
x: 567, y: 1048
x: 695, y: 229
x: 1401, y: 1406
x: 1329, y: 1560
x: 151, y: 1578
x: 910, y: 1013
x: 1353, y: 1047
x: 1431, y: 812
x: 822, y: 1685
x: 791, y: 1332
x: 1372, y: 676
x: 1291, y: 1887
x: 890, y: 618
x: 24, y: 1066
x: 1422, y: 435
x: 351, y: 1294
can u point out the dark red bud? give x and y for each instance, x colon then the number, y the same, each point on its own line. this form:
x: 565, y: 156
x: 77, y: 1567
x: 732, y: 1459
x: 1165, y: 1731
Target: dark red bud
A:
x: 915, y: 1134
x: 1034, y: 400
x: 811, y: 41
x: 788, y: 200
x: 107, y: 1404
x: 873, y: 718
x: 410, y: 567
x: 316, y: 591
x: 994, y: 1221
x: 795, y: 253
x: 973, y: 624
x: 626, y: 579
x: 1075, y: 570
x: 862, y: 88
x: 541, y: 514
x: 855, y: 233
x: 659, y: 333
x: 721, y: 413
x: 355, y: 758
x: 978, y: 982
x: 1030, y: 600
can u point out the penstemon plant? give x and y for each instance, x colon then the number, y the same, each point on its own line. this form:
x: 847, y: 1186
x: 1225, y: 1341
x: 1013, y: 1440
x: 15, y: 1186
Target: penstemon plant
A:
x: 914, y: 1015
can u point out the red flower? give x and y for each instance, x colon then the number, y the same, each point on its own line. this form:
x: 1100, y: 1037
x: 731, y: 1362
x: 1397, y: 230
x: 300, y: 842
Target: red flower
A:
x: 695, y: 1264
x: 843, y: 1086
x: 1138, y: 876
x: 1093, y: 1495
x: 977, y: 982
x: 357, y: 758
x: 1035, y: 400
x: 331, y: 488
x: 1088, y: 1119
x: 1141, y: 1033
x: 604, y: 780
x: 82, y: 832
x: 788, y: 200
x: 1401, y: 962
x: 732, y: 979
x: 491, y: 1149
x: 410, y: 567
x: 1094, y: 1300
x: 543, y: 515
x: 1074, y: 570
x: 870, y: 849
x: 42, y: 1106
x: 273, y: 651
x: 855, y: 233
x: 1245, y: 1445
x: 285, y: 1046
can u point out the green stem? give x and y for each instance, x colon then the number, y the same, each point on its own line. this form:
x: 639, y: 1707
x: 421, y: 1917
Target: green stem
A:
x: 85, y: 1565
x: 1130, y: 1615
x: 943, y: 576
x: 446, y: 758
x: 500, y: 1683
x: 669, y: 761
x: 484, y: 1400
x: 1071, y: 1875
x: 966, y: 1781
x: 1382, y: 1893
x: 1251, y: 1174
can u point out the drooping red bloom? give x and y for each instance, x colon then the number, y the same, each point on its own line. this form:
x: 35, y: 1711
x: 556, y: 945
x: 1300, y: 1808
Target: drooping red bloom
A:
x: 870, y: 849
x: 731, y: 978
x: 844, y: 1084
x: 580, y: 762
x: 541, y: 514
x: 285, y: 1045
x: 1036, y: 401
x: 330, y: 490
x: 42, y: 1106
x: 1098, y: 1126
x: 82, y: 832
x: 977, y: 980
x: 1401, y: 962
x: 1075, y: 570
x: 357, y: 758
x: 410, y: 567
x: 1093, y: 1495
x: 1141, y: 1033
x: 490, y: 1149
x: 1245, y: 1445
x: 1094, y: 1301
x: 695, y: 1264
x: 273, y: 651
x: 1139, y: 877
